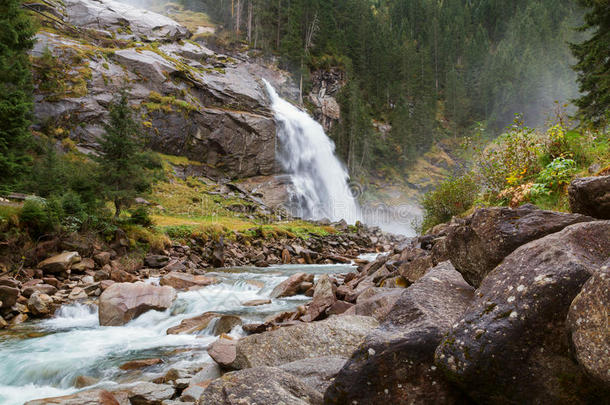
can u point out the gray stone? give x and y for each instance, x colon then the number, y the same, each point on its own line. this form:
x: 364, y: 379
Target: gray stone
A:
x: 59, y: 263
x: 317, y: 372
x: 122, y: 302
x: 591, y: 196
x: 511, y: 344
x: 485, y: 238
x: 262, y: 386
x: 395, y: 362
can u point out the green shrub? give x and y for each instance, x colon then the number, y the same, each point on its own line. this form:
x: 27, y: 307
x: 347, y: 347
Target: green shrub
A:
x: 141, y: 216
x: 452, y: 197
x: 554, y: 176
x: 39, y: 217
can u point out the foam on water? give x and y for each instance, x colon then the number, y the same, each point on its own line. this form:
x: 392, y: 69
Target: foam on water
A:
x: 72, y: 343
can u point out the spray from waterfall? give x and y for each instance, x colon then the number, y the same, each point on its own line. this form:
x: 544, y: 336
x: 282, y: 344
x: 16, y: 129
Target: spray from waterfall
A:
x: 320, y: 187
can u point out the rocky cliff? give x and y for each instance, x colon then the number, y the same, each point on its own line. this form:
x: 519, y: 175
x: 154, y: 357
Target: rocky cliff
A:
x: 192, y: 101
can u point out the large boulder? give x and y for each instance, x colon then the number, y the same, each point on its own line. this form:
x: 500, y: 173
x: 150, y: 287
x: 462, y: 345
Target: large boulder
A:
x: 377, y: 305
x: 511, y: 344
x: 588, y: 324
x: 591, y: 196
x: 185, y: 281
x: 193, y: 325
x: 59, y: 263
x: 8, y: 296
x: 317, y: 372
x: 335, y: 336
x: 123, y: 20
x: 395, y: 362
x: 262, y: 386
x: 122, y: 302
x: 323, y: 298
x: 40, y: 304
x: 485, y: 238
x: 291, y: 286
x: 144, y: 393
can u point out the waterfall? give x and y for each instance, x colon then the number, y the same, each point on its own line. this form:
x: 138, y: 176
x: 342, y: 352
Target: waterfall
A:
x: 320, y: 186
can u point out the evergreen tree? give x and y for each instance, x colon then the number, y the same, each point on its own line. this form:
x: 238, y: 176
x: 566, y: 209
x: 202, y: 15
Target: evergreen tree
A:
x: 16, y: 38
x: 593, y: 67
x: 122, y: 168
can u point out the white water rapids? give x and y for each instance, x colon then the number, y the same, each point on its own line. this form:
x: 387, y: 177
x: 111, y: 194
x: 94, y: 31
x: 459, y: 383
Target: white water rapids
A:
x: 320, y: 186
x: 42, y: 359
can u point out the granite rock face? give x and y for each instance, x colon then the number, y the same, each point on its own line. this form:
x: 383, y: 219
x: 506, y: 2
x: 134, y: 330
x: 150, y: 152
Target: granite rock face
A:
x: 396, y: 361
x: 591, y: 196
x: 511, y: 344
x: 480, y: 242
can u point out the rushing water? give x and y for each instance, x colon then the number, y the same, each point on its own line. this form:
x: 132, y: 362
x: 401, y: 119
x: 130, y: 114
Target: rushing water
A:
x: 42, y: 359
x: 320, y: 186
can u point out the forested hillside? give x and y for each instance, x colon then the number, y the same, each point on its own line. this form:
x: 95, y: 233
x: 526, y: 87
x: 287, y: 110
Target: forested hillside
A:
x: 431, y: 69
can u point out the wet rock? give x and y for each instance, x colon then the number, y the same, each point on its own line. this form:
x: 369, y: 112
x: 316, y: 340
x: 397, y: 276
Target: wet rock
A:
x: 323, y: 298
x: 59, y: 263
x: 223, y: 351
x: 77, y: 294
x: 122, y: 302
x: 3, y: 323
x: 184, y: 281
x: 335, y: 336
x: 83, y: 381
x: 90, y: 397
x: 591, y: 196
x: 588, y: 326
x: 256, y: 303
x: 102, y: 258
x: 377, y: 305
x: 485, y: 238
x: 156, y: 261
x: 8, y: 296
x: 147, y: 393
x: 291, y: 286
x: 41, y: 288
x: 395, y: 362
x: 40, y: 304
x: 193, y: 325
x: 18, y: 319
x: 260, y: 385
x: 137, y: 364
x: 317, y: 372
x: 512, y: 344
x: 225, y: 324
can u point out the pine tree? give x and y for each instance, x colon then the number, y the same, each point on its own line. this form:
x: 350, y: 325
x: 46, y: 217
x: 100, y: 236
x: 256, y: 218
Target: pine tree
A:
x: 122, y: 169
x: 593, y: 67
x: 16, y: 38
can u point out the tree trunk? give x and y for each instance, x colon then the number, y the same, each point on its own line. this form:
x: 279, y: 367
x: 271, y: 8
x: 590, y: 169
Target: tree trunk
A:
x: 250, y: 6
x: 117, y: 207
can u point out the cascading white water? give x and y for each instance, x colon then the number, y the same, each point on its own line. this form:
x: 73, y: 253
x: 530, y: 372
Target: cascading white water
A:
x: 320, y: 186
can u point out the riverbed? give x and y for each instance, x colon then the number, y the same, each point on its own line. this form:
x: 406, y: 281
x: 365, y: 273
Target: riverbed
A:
x: 43, y: 358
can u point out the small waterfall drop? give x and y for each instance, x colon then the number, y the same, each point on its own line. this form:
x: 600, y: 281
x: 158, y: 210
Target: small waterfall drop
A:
x: 320, y: 186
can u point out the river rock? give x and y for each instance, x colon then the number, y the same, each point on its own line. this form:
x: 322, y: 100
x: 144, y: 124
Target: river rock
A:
x: 256, y: 303
x: 511, y: 343
x: 147, y: 393
x: 59, y: 263
x: 260, y: 385
x: 223, y: 351
x: 102, y: 258
x: 8, y: 296
x: 193, y: 325
x: 318, y: 372
x: 323, y: 298
x: 335, y: 336
x: 588, y: 326
x: 591, y: 196
x: 136, y: 364
x: 41, y: 288
x: 90, y: 397
x: 40, y: 304
x: 122, y: 302
x: 9, y: 282
x: 184, y: 281
x: 291, y: 286
x: 395, y: 362
x: 156, y: 261
x: 377, y: 305
x: 482, y: 240
x: 226, y: 323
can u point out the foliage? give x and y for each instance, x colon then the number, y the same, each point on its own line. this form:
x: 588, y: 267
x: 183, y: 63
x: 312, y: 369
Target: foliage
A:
x: 16, y: 39
x: 593, y: 67
x: 556, y: 174
x: 121, y: 163
x: 452, y: 197
x: 510, y: 160
x: 39, y: 216
x: 141, y: 216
